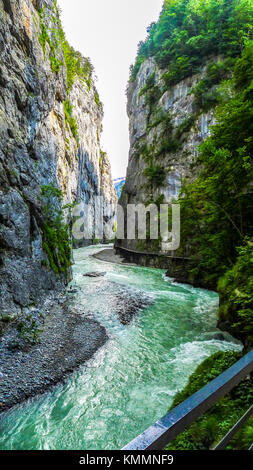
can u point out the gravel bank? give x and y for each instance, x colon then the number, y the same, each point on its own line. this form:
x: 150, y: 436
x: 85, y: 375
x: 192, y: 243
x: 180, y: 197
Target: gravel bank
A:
x: 67, y: 340
x: 68, y: 337
x: 109, y: 255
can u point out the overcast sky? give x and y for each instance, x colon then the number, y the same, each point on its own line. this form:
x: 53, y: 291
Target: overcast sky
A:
x: 108, y: 31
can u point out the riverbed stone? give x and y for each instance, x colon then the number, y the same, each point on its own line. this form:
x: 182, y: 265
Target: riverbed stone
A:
x: 67, y: 340
x: 95, y: 274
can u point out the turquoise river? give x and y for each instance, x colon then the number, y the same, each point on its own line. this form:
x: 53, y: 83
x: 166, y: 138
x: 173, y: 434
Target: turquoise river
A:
x: 131, y: 381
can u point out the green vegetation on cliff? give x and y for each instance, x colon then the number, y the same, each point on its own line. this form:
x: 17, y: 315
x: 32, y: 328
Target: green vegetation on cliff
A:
x: 217, y: 216
x: 155, y: 174
x: 206, y: 92
x: 70, y: 120
x: 51, y: 35
x: 188, y: 31
x: 217, y: 208
x: 213, y: 426
x: 214, y: 37
x: 55, y: 232
x: 191, y: 36
x: 236, y: 295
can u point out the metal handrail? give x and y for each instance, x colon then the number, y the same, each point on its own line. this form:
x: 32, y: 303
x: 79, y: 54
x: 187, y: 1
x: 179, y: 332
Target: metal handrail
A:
x: 157, y: 436
x: 226, y: 439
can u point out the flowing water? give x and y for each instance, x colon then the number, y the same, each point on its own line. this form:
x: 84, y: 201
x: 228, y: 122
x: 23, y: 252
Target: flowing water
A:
x: 132, y: 379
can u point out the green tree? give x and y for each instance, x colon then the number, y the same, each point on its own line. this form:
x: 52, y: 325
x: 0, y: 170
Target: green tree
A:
x: 188, y: 31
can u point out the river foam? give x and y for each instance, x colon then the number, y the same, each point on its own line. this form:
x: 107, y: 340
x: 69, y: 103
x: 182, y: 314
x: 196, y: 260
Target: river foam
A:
x: 131, y: 381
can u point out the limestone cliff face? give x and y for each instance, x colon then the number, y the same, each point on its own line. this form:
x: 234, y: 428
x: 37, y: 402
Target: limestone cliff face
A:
x: 165, y: 131
x: 49, y: 138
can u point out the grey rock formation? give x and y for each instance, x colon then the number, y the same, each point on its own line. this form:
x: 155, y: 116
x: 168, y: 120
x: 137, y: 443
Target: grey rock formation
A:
x: 38, y: 148
x: 166, y: 135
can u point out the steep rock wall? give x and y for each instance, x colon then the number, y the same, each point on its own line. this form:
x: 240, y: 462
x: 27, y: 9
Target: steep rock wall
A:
x: 166, y: 127
x: 49, y: 138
